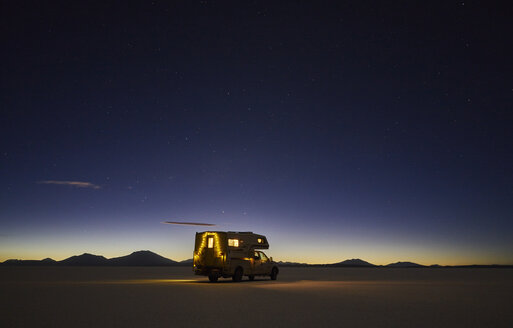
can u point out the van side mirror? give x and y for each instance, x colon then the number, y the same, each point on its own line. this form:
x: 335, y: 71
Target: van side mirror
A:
x: 271, y: 258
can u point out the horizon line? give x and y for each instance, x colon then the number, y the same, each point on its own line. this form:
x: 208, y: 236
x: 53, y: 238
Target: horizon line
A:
x: 283, y: 261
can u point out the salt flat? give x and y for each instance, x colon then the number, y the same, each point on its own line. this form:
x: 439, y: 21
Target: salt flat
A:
x: 301, y: 297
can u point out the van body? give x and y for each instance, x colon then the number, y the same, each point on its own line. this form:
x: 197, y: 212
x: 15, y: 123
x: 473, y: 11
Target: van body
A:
x: 232, y: 254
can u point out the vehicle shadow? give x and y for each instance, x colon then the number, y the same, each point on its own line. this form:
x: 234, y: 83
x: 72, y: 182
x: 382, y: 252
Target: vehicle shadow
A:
x: 230, y: 281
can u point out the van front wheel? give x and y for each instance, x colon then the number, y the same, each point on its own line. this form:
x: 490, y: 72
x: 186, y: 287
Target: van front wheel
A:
x: 274, y: 274
x: 237, y: 276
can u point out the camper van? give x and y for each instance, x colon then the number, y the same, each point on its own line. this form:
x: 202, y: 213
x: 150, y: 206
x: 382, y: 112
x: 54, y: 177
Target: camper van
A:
x: 232, y: 254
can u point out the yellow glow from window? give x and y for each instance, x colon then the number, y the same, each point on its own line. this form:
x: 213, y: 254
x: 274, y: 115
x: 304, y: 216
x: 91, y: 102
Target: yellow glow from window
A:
x: 233, y: 242
x: 259, y: 240
x: 210, y: 242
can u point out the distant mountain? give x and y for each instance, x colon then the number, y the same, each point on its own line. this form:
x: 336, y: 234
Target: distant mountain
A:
x: 85, y: 259
x: 477, y: 266
x: 292, y: 264
x: 141, y: 258
x: 352, y: 263
x: 404, y: 265
x: 186, y: 262
x: 47, y: 261
x: 148, y: 258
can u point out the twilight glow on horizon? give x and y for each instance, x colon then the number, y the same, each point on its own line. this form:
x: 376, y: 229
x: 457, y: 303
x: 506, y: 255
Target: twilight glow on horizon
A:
x: 378, y: 132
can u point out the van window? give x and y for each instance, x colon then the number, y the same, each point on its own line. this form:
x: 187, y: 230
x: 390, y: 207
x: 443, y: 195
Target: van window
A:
x: 263, y: 257
x: 233, y: 242
x: 210, y: 243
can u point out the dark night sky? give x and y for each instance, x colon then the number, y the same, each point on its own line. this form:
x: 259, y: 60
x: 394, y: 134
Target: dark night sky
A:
x: 368, y: 129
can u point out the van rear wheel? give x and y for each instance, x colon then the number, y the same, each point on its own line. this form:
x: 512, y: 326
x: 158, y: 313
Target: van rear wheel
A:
x: 237, y: 276
x: 213, y: 277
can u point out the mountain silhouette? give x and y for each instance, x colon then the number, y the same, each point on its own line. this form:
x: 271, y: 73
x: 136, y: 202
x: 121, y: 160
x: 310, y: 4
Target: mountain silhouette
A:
x: 141, y: 258
x: 404, y: 265
x: 85, y: 259
x: 148, y: 258
x: 352, y: 263
x: 293, y: 264
x: 47, y: 261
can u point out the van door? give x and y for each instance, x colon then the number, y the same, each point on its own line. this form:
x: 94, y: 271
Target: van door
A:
x: 257, y: 263
x: 265, y: 264
x: 209, y: 255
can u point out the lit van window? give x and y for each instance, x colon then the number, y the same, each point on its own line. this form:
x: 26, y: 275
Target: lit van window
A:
x: 260, y: 240
x: 210, y: 242
x: 233, y: 242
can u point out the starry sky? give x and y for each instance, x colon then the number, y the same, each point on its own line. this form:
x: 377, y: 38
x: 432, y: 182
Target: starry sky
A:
x: 338, y: 129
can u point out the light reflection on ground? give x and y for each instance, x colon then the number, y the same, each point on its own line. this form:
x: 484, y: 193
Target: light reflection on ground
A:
x: 301, y: 284
x: 143, y: 281
x: 268, y: 284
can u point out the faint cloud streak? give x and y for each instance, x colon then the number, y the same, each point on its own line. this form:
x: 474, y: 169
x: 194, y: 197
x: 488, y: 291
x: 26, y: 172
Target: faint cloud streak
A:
x: 78, y: 184
x: 190, y: 223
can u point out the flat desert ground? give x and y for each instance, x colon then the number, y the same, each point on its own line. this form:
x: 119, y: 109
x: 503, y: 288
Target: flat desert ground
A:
x: 301, y: 297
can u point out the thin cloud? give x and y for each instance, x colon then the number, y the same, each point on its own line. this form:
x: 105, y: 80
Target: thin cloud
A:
x: 190, y: 223
x: 78, y: 184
